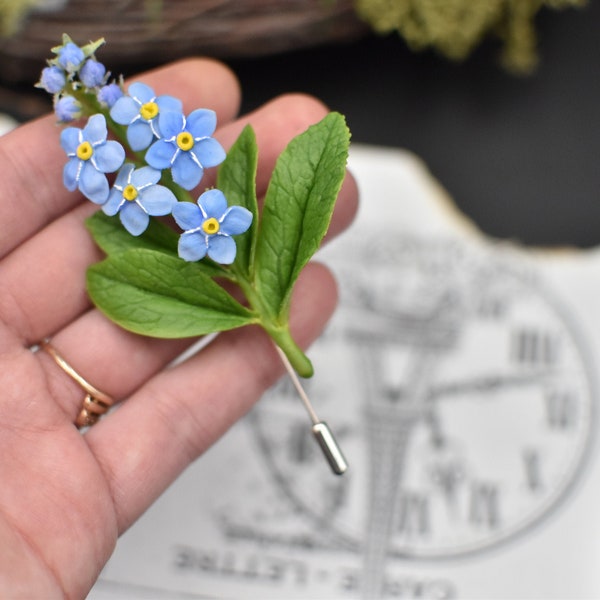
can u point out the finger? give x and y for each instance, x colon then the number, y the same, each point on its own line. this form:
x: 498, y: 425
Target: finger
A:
x: 113, y: 360
x: 151, y: 438
x: 345, y: 208
x: 44, y: 279
x: 32, y: 187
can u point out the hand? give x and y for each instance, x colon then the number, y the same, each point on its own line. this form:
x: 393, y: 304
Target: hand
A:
x: 66, y: 497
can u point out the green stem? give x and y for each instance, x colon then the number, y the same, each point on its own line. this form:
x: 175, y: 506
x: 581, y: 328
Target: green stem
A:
x: 278, y: 332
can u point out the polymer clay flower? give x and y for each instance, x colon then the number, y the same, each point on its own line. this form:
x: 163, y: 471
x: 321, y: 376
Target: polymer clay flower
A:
x: 109, y: 94
x: 186, y: 146
x: 70, y: 57
x: 208, y: 227
x: 91, y: 155
x: 52, y: 79
x: 92, y: 73
x: 136, y: 196
x: 139, y: 111
x: 67, y: 109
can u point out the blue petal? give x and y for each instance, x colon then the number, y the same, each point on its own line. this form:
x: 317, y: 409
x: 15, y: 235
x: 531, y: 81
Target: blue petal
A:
x: 108, y: 157
x: 124, y: 175
x: 141, y: 92
x: 170, y: 123
x: 213, y: 203
x: 169, y: 103
x: 160, y: 154
x: 186, y: 172
x: 124, y: 111
x: 113, y: 204
x: 236, y: 220
x: 222, y: 249
x: 192, y: 246
x: 144, y: 176
x: 187, y: 215
x: 71, y: 174
x: 201, y: 122
x: 93, y: 185
x: 139, y: 135
x: 69, y: 139
x: 134, y: 219
x: 209, y: 152
x: 157, y: 200
x: 95, y: 131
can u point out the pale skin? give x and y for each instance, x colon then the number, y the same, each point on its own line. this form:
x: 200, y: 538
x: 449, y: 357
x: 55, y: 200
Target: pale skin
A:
x: 65, y: 497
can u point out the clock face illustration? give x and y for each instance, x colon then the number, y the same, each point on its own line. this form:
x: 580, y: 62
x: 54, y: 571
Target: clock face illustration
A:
x: 460, y: 392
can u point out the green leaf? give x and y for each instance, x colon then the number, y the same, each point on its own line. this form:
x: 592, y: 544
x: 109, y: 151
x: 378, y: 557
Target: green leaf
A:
x: 154, y: 294
x: 113, y: 238
x: 236, y: 179
x: 298, y: 208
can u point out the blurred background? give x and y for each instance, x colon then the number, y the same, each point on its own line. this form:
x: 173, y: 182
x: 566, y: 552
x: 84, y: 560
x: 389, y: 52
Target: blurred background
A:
x: 501, y: 100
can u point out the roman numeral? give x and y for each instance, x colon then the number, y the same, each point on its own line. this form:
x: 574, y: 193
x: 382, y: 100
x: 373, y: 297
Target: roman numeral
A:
x: 532, y: 347
x: 413, y: 514
x: 533, y: 472
x: 561, y: 409
x: 484, y: 505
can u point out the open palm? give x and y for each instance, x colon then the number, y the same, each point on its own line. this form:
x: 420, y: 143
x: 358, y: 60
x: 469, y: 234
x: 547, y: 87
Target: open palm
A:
x: 65, y: 497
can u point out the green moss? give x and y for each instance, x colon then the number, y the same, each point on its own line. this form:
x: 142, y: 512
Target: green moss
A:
x: 12, y: 14
x: 455, y: 28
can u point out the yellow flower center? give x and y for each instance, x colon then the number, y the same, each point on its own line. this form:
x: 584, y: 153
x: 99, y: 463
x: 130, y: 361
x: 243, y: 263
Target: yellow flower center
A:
x: 130, y: 193
x: 211, y: 226
x: 85, y: 151
x: 185, y: 141
x: 149, y: 110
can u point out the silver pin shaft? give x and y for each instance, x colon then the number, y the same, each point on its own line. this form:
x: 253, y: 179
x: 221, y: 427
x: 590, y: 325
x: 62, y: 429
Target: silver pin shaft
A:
x: 320, y: 429
x: 330, y: 448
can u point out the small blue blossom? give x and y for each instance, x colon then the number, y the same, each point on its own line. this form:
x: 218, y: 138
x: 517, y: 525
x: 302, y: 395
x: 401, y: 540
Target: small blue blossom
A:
x: 70, y: 57
x: 67, y: 109
x: 109, y: 94
x: 92, y: 73
x: 186, y: 146
x: 91, y: 155
x: 136, y: 196
x: 140, y: 111
x: 53, y: 79
x: 208, y: 227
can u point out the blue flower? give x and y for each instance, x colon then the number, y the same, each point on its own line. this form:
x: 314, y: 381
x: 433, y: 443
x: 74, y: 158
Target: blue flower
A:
x: 208, y: 226
x: 90, y: 157
x: 109, y: 94
x: 186, y: 146
x: 67, y: 109
x: 140, y: 110
x: 70, y: 57
x: 92, y: 73
x: 136, y: 196
x: 53, y: 79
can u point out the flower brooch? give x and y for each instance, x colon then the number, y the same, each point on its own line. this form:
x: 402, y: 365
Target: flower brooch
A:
x: 138, y: 156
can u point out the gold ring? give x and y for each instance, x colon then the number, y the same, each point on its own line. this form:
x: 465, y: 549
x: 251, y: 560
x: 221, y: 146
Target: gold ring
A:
x: 95, y: 403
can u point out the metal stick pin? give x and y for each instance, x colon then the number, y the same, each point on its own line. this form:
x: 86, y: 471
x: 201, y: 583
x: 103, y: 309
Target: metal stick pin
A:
x: 320, y: 429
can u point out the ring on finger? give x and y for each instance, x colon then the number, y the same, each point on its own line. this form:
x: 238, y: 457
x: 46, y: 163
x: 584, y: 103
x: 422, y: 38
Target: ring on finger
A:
x: 95, y: 402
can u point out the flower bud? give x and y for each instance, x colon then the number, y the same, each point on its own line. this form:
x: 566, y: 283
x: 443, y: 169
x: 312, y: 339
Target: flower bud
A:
x: 52, y: 79
x: 67, y: 109
x: 70, y: 56
x: 109, y: 94
x: 92, y: 73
